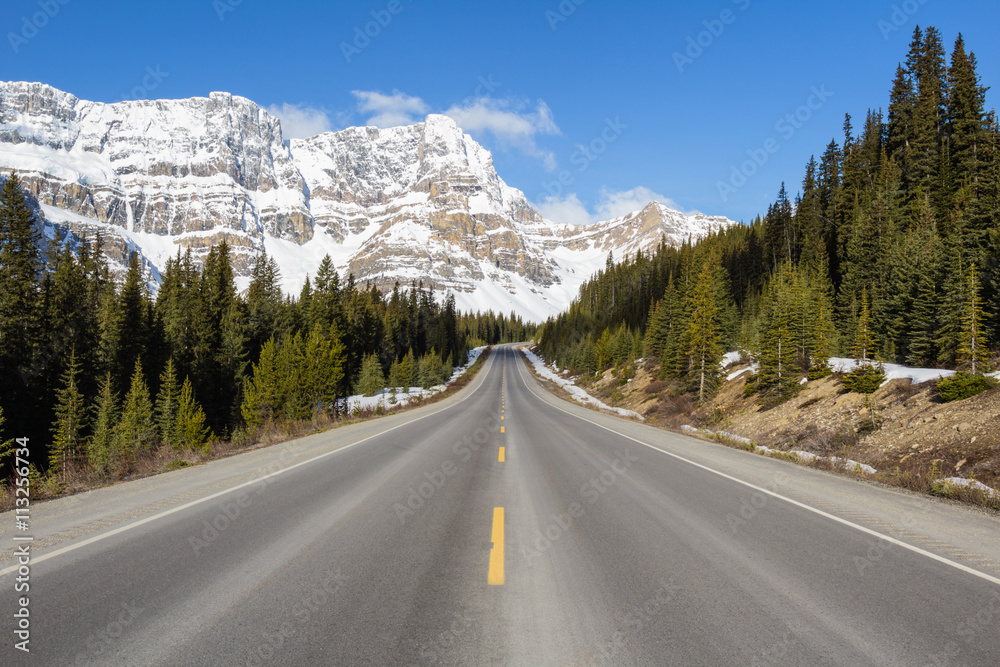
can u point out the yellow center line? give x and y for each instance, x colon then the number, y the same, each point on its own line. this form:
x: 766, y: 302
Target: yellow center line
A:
x: 502, y: 429
x: 501, y: 416
x: 501, y: 455
x: 495, y: 577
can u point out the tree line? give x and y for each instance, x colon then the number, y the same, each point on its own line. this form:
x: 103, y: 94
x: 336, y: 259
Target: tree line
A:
x: 893, y: 241
x: 97, y: 370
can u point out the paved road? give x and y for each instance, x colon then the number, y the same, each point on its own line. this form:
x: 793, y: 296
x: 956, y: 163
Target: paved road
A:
x: 593, y: 541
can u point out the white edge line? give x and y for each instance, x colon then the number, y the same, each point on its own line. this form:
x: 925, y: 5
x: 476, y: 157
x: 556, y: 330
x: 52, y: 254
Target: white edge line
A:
x: 875, y: 533
x: 256, y: 480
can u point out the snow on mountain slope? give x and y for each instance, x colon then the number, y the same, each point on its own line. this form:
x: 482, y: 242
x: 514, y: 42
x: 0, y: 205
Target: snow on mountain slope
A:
x: 413, y: 203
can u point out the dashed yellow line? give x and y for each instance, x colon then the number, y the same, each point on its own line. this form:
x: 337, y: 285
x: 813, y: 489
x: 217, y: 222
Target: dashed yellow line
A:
x: 502, y: 430
x: 501, y: 455
x: 495, y: 577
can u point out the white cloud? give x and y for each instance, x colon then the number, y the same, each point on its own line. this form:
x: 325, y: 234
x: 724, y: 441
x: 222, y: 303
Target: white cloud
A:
x: 611, y: 204
x: 390, y: 110
x: 509, y: 123
x: 565, y: 209
x: 300, y: 122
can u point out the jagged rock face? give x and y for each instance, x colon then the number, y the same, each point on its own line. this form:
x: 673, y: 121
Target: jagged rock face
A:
x: 415, y: 203
x: 427, y: 200
x: 166, y: 167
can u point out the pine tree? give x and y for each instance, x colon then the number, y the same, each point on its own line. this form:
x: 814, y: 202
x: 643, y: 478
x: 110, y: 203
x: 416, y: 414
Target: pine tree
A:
x: 967, y: 126
x: 407, y: 367
x: 819, y: 354
x: 868, y: 373
x: 262, y: 392
x: 264, y: 301
x: 7, y: 447
x: 20, y: 268
x: 136, y: 428
x: 192, y: 431
x: 167, y: 401
x: 371, y: 381
x: 973, y: 348
x: 778, y: 369
x: 130, y: 323
x: 288, y: 366
x: 703, y: 334
x: 102, y: 449
x: 70, y: 422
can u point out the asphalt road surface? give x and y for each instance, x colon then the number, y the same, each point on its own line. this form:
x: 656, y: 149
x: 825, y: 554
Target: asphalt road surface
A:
x: 504, y: 526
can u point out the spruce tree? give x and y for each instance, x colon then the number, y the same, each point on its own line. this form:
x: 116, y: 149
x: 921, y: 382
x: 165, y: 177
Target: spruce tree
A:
x: 973, y: 348
x: 371, y: 381
x: 70, y: 422
x: 263, y: 302
x: 167, y: 401
x: 190, y: 426
x: 868, y: 373
x: 704, y: 335
x: 136, y: 428
x: 130, y: 323
x: 778, y: 370
x: 819, y: 354
x: 102, y: 448
x: 262, y: 391
x: 20, y: 269
x: 407, y: 368
x: 8, y: 447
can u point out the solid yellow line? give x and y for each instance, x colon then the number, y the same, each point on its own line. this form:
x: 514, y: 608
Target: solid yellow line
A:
x: 495, y: 577
x: 501, y: 455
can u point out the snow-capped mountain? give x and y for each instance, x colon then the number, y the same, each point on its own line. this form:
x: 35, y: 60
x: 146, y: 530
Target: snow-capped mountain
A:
x: 419, y: 202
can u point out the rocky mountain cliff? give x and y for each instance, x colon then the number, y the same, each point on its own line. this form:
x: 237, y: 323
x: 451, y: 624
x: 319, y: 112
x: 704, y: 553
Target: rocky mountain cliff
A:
x: 419, y: 202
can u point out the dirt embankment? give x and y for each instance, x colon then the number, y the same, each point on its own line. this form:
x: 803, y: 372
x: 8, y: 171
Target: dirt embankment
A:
x: 917, y: 438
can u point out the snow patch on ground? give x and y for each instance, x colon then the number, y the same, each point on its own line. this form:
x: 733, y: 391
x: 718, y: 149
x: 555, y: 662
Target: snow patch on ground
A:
x: 575, y: 391
x: 357, y: 402
x: 846, y: 464
x: 893, y: 371
x: 971, y: 483
x: 730, y: 358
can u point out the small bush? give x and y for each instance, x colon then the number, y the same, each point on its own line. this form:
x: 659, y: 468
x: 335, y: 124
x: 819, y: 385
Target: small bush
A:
x: 865, y: 379
x: 963, y: 385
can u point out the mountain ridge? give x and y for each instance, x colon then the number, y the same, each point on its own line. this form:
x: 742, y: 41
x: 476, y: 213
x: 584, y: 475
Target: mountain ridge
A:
x: 420, y: 202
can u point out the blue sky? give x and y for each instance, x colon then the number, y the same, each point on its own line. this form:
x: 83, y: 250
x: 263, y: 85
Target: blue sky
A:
x: 590, y: 107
